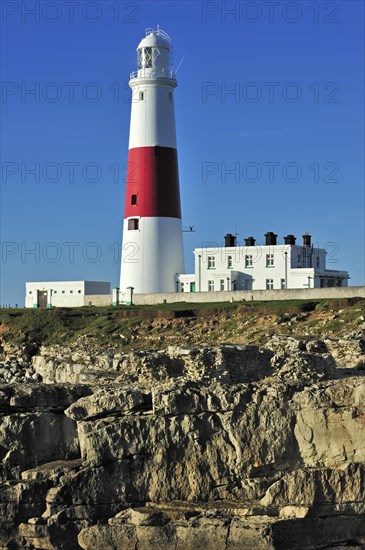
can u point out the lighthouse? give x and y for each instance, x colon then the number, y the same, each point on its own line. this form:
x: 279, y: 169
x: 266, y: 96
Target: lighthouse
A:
x: 152, y: 247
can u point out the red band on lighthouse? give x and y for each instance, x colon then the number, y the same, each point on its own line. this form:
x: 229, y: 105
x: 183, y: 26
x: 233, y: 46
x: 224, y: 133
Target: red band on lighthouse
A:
x: 152, y: 183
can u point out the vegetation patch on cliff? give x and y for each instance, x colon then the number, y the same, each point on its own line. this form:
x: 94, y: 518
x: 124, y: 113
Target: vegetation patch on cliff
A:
x: 150, y: 327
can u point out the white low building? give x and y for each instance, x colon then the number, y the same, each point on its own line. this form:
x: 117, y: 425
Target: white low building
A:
x: 261, y: 267
x: 67, y: 294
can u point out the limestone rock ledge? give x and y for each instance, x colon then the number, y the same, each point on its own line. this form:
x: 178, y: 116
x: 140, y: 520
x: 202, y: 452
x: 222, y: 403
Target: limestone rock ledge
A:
x: 221, y: 448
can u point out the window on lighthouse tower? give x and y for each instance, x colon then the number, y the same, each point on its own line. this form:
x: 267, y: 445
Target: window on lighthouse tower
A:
x: 133, y: 224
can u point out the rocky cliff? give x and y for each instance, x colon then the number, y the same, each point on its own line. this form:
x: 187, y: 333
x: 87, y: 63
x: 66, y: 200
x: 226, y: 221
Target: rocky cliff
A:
x: 221, y: 447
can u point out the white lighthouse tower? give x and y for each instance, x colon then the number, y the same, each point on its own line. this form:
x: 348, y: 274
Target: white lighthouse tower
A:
x: 152, y: 249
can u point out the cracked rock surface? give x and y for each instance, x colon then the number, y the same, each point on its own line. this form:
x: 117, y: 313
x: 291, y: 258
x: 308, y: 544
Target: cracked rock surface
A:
x: 227, y: 447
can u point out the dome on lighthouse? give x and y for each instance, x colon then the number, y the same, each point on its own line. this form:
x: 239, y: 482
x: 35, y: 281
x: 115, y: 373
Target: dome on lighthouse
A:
x: 155, y: 38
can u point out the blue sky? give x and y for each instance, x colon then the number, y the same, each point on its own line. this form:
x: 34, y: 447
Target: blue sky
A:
x: 272, y: 92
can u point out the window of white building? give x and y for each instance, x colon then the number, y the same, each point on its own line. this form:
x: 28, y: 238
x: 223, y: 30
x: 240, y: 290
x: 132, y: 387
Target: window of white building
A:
x: 141, y: 96
x: 269, y: 284
x: 221, y: 284
x: 248, y: 260
x: 269, y: 260
x: 210, y: 286
x: 229, y: 262
x: 211, y: 262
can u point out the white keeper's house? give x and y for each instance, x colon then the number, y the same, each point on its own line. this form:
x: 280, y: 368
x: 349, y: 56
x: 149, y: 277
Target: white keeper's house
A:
x: 261, y: 267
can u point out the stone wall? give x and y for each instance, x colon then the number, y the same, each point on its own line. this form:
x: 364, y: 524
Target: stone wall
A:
x: 248, y: 295
x: 98, y: 300
x: 226, y: 296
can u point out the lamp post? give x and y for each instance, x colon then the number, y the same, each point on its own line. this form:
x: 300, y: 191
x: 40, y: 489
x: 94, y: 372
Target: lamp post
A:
x: 286, y: 269
x: 129, y: 301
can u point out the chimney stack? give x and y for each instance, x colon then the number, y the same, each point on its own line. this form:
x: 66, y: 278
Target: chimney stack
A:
x: 250, y: 241
x: 229, y: 240
x: 307, y: 240
x: 289, y: 239
x: 270, y: 238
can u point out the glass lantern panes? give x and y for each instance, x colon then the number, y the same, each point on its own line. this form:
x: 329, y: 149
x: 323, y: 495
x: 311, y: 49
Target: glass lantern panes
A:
x: 145, y: 58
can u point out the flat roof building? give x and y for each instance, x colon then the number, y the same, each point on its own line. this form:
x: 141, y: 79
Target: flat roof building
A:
x: 67, y: 294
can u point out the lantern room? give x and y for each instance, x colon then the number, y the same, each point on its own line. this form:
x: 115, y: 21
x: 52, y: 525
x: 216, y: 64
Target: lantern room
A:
x: 154, y: 55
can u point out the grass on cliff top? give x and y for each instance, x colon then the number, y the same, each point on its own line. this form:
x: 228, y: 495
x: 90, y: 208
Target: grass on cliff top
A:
x: 106, y: 324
